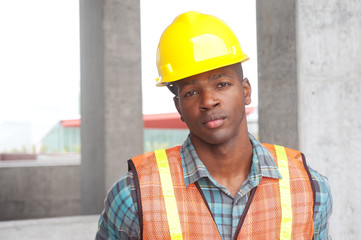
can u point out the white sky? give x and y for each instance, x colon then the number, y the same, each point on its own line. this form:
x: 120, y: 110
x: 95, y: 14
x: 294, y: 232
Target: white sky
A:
x: 39, y: 59
x: 39, y: 55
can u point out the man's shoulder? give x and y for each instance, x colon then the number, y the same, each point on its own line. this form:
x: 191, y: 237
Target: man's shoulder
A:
x: 119, y: 218
x: 323, y: 195
x: 322, y: 205
x: 316, y: 176
x: 122, y: 187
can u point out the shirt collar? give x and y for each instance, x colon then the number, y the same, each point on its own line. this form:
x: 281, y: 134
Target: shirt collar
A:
x: 262, y: 163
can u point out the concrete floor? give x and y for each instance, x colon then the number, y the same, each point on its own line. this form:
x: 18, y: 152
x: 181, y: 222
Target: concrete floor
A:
x: 75, y: 228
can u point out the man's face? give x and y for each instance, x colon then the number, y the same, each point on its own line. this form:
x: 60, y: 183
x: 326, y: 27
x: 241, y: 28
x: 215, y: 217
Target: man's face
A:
x: 212, y: 104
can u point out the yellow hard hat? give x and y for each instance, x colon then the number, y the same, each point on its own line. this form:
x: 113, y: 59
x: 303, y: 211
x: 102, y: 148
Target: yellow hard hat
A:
x: 195, y: 43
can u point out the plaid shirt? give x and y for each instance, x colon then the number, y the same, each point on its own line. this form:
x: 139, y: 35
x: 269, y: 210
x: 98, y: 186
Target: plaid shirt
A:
x: 119, y: 219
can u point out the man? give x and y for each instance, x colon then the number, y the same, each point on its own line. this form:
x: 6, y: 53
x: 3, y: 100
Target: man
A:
x: 221, y: 183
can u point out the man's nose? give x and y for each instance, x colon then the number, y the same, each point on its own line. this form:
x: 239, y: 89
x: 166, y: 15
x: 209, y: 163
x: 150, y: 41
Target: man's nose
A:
x: 209, y: 100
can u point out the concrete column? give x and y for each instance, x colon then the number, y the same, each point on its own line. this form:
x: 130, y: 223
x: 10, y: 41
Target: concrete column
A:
x: 277, y: 72
x: 111, y: 111
x: 325, y: 96
x: 329, y: 76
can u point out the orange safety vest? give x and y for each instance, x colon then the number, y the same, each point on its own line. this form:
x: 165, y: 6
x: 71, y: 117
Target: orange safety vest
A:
x: 276, y: 209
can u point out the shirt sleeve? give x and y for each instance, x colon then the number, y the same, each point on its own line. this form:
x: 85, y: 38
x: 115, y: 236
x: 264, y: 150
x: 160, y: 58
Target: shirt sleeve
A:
x: 323, y: 206
x: 119, y: 218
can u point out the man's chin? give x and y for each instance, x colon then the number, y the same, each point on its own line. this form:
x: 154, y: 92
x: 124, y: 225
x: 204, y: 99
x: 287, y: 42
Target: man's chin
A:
x: 211, y: 139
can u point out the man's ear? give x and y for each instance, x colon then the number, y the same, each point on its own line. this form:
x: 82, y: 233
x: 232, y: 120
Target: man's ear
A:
x: 247, y: 91
x: 176, y: 104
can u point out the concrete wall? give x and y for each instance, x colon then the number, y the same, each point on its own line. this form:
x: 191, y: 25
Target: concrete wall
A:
x: 111, y: 107
x: 309, y: 88
x: 329, y: 76
x: 37, y: 189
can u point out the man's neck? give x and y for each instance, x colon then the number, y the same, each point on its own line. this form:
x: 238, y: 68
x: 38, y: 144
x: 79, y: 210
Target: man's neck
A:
x: 229, y: 163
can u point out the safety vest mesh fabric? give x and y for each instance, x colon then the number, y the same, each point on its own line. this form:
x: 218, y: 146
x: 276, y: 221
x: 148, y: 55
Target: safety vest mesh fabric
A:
x: 263, y: 217
x: 261, y: 221
x: 196, y: 221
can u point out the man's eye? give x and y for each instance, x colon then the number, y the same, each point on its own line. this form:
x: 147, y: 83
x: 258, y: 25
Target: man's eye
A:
x: 190, y: 93
x: 223, y: 84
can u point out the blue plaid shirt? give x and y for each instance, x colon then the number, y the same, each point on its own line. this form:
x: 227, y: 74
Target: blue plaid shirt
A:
x: 119, y: 219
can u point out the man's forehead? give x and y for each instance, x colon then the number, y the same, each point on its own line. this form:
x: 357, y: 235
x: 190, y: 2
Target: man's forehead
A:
x: 209, y: 75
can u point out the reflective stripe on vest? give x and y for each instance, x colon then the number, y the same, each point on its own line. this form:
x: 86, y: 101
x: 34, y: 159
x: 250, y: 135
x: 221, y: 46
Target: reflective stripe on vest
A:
x: 285, y: 193
x: 168, y: 194
x: 278, y: 209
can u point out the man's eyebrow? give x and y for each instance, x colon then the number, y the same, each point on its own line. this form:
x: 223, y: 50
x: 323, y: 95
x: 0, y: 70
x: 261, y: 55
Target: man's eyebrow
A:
x: 186, y: 83
x: 216, y: 76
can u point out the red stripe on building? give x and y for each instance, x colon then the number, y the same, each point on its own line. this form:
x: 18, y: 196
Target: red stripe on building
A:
x: 70, y: 123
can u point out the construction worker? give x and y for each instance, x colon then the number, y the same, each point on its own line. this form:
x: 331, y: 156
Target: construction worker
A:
x: 221, y: 183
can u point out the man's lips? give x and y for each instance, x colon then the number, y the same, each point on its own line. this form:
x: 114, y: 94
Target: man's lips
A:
x: 214, y: 120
